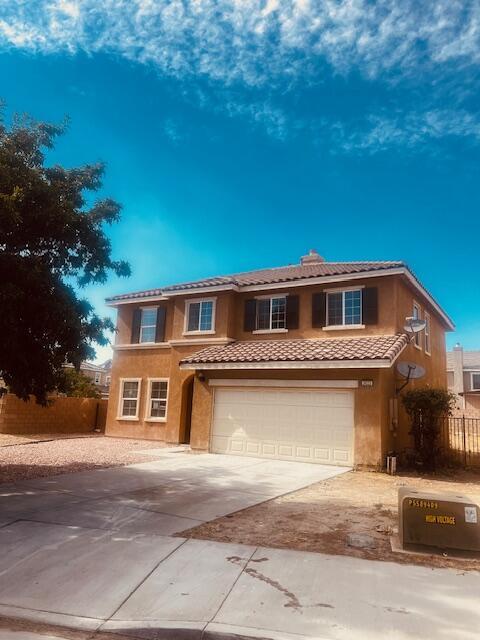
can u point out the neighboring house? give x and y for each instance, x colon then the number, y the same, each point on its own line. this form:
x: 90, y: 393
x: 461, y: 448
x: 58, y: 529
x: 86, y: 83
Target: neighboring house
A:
x: 295, y: 362
x: 100, y: 374
x: 463, y: 373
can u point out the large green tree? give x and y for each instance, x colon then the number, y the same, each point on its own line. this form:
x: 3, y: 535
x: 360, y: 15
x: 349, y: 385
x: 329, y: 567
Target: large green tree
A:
x: 52, y: 243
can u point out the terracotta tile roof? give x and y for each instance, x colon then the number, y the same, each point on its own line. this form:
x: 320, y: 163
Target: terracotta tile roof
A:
x: 287, y: 274
x: 279, y: 275
x: 149, y: 293
x: 312, y: 350
x: 290, y: 273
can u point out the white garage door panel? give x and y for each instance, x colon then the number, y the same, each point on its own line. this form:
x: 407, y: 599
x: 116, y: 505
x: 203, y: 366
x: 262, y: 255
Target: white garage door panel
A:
x: 310, y: 425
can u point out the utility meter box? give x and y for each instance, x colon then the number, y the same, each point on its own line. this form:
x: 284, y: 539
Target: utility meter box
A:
x: 445, y: 520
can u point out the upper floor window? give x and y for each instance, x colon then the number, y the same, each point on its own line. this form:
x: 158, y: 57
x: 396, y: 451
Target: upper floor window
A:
x: 108, y: 379
x: 97, y: 377
x: 416, y: 316
x: 476, y: 381
x: 427, y: 334
x: 200, y: 316
x: 271, y: 313
x: 344, y: 307
x: 148, y: 324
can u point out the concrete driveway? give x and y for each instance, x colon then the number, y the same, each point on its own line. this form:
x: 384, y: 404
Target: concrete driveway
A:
x: 162, y: 497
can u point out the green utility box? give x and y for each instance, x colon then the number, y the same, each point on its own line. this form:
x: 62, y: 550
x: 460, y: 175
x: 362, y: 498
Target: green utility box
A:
x: 442, y: 520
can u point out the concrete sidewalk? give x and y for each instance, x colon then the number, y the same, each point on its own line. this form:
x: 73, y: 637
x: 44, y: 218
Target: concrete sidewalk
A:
x: 161, y: 587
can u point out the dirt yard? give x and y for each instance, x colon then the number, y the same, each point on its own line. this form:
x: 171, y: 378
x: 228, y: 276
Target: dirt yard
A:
x: 320, y: 517
x: 25, y: 457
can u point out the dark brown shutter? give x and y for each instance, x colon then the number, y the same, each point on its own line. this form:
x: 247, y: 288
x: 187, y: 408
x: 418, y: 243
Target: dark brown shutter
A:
x: 319, y: 304
x: 136, y: 320
x: 160, y: 330
x: 292, y: 312
x: 250, y: 318
x: 370, y: 305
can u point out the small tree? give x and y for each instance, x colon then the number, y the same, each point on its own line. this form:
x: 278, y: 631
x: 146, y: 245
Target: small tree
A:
x: 426, y: 407
x: 79, y: 385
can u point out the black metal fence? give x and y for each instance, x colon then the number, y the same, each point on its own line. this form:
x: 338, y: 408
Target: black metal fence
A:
x: 461, y: 440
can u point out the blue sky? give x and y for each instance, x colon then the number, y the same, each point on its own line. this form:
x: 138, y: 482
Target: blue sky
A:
x: 239, y: 135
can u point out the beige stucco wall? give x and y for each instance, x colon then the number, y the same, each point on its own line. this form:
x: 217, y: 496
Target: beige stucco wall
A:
x: 386, y: 311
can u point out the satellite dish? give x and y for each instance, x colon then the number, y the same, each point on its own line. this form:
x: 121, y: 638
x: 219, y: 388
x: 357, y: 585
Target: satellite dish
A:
x: 414, y: 325
x: 409, y: 371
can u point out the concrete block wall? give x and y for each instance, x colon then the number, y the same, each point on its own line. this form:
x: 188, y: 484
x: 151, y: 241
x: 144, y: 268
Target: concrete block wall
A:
x: 62, y: 415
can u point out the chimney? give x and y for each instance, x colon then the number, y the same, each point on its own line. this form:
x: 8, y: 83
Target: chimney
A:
x: 311, y: 258
x: 458, y: 386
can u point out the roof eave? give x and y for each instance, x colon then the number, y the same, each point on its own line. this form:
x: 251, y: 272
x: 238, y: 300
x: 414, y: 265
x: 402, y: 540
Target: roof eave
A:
x: 114, y: 302
x: 377, y: 363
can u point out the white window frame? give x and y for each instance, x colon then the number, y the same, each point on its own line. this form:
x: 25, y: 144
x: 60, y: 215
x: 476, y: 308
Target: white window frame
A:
x: 108, y: 380
x: 427, y: 340
x: 199, y: 332
x: 148, y: 407
x: 416, y: 339
x: 271, y: 298
x: 98, y: 377
x: 149, y: 326
x: 343, y: 291
x: 121, y: 399
x: 474, y: 373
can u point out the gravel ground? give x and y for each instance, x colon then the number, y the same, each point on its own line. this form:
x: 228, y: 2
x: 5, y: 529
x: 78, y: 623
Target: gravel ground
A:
x: 320, y: 517
x: 67, y: 455
x: 7, y: 440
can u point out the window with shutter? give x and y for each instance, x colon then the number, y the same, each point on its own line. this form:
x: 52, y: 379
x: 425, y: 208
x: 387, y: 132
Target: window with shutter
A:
x: 148, y: 324
x: 271, y: 314
x: 344, y: 308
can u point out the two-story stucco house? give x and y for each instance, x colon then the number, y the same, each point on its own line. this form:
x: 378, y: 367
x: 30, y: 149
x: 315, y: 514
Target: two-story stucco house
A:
x: 295, y: 363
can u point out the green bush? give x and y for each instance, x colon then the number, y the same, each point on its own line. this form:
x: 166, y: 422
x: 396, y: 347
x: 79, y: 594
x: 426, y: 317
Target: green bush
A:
x: 426, y: 408
x: 79, y: 385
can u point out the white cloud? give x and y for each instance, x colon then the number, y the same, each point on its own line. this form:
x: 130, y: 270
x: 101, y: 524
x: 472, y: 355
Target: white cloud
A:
x: 253, y: 41
x: 275, y: 121
x: 266, y: 45
x: 411, y: 130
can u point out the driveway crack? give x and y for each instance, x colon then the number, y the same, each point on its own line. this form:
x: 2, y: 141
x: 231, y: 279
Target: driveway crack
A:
x: 236, y: 560
x: 144, y: 579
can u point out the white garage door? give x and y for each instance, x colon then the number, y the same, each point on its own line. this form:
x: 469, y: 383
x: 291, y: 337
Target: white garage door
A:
x: 286, y: 424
